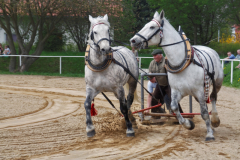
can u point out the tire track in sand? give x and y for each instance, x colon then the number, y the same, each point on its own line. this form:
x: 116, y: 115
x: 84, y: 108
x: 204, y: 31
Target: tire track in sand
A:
x: 59, y: 104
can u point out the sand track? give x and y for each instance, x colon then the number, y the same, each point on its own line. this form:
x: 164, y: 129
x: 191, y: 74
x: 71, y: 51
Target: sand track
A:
x: 44, y: 118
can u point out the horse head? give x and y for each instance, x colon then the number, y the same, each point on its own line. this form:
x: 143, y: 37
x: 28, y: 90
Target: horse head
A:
x: 150, y: 34
x: 99, y: 33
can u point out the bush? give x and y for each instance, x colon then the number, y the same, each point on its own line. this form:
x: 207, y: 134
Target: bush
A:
x: 223, y: 48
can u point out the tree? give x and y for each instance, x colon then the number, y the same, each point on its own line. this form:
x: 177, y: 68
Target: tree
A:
x: 28, y: 19
x: 142, y: 12
x: 235, y: 16
x: 199, y: 19
x: 77, y: 25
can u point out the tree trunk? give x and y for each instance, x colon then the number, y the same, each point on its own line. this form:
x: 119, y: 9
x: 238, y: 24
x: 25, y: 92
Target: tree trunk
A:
x: 12, y: 64
x: 26, y: 63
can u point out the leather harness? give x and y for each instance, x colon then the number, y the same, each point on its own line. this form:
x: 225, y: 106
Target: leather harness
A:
x: 189, y: 56
x: 97, y: 68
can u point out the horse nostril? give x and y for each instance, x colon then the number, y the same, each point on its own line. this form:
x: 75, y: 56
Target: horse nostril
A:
x: 133, y: 41
x: 103, y: 50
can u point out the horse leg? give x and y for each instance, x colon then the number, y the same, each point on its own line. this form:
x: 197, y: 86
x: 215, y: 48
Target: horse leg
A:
x: 90, y: 94
x: 130, y: 97
x: 176, y: 97
x: 205, y: 117
x: 215, y: 121
x: 124, y: 110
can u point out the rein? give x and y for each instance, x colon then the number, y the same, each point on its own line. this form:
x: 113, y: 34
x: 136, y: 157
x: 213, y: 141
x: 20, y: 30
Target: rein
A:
x: 106, y: 64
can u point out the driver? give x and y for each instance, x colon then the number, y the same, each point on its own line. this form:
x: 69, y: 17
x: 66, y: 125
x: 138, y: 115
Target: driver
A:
x: 162, y: 91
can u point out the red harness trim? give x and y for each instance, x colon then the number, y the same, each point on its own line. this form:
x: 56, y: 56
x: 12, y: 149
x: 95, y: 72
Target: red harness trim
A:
x: 96, y: 24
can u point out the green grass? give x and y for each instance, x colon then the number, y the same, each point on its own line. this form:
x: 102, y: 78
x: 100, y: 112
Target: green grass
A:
x: 71, y: 67
x: 74, y: 67
x: 236, y: 75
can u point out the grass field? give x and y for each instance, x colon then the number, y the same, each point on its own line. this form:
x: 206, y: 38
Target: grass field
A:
x: 74, y: 67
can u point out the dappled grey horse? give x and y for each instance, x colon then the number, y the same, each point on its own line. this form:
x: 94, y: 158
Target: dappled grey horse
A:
x: 102, y: 74
x: 189, y: 73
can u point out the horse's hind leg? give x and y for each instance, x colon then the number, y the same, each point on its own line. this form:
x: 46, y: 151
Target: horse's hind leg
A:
x: 205, y: 117
x: 215, y: 121
x: 124, y: 110
x: 130, y: 97
x: 90, y: 94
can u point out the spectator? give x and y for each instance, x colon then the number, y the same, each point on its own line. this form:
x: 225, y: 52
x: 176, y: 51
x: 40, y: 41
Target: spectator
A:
x: 230, y: 56
x: 7, y: 50
x: 238, y: 57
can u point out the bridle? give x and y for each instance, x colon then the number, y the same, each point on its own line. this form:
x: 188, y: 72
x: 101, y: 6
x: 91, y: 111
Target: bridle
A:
x: 160, y: 30
x: 92, y: 36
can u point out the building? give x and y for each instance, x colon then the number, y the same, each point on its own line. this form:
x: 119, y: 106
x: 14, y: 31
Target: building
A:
x: 236, y: 32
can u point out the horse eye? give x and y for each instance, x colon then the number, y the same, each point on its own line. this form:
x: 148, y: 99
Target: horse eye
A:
x: 95, y: 32
x: 151, y: 27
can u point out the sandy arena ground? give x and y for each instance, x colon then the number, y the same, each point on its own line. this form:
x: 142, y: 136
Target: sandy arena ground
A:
x: 44, y: 118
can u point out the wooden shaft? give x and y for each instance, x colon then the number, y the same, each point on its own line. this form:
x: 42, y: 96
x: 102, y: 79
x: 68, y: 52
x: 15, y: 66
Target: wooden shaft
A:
x: 167, y: 115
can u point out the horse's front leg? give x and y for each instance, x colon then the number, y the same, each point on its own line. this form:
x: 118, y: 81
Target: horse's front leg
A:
x: 90, y: 94
x: 176, y: 97
x: 130, y: 97
x: 124, y: 109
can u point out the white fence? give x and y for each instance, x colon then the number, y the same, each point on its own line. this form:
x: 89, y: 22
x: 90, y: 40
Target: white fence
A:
x: 140, y: 59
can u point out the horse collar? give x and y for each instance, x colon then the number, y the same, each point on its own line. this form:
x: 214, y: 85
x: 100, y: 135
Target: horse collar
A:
x: 189, y: 54
x: 97, y: 68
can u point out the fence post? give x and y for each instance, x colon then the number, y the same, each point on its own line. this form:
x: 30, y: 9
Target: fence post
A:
x: 60, y: 65
x: 231, y: 71
x: 222, y: 64
x: 20, y: 60
x: 190, y: 104
x: 139, y: 62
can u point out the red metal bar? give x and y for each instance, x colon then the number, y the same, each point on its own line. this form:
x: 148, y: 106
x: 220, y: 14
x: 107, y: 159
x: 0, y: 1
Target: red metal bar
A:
x: 142, y: 110
x: 191, y: 113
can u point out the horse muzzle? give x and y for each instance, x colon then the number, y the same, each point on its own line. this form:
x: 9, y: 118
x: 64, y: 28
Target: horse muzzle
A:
x: 106, y: 49
x: 137, y: 43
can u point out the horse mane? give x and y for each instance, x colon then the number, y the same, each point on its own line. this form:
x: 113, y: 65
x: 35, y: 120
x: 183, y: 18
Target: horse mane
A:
x: 98, y: 19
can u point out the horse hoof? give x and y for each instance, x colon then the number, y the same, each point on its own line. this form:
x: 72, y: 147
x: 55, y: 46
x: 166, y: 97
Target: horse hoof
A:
x: 192, y: 125
x: 91, y: 133
x: 131, y: 134
x: 215, y: 124
x: 210, y: 139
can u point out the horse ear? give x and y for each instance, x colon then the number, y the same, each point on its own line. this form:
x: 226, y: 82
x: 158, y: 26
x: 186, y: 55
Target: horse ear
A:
x: 162, y: 14
x: 156, y: 16
x: 105, y: 17
x: 90, y: 18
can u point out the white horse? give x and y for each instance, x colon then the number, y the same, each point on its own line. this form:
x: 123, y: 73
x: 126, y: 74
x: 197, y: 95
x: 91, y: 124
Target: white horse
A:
x: 192, y: 79
x: 103, y: 74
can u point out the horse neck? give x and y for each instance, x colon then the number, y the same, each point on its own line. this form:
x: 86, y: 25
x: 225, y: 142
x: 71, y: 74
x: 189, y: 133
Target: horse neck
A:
x: 175, y: 53
x: 95, y: 56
